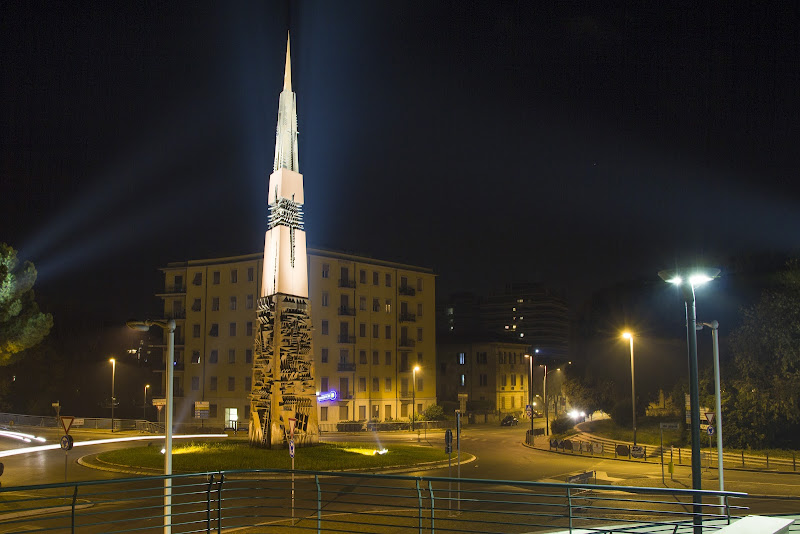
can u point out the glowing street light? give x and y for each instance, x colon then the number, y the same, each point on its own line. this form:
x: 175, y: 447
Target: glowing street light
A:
x: 169, y: 327
x: 414, y: 396
x: 113, y: 373
x: 629, y: 337
x: 687, y: 284
x: 144, y: 404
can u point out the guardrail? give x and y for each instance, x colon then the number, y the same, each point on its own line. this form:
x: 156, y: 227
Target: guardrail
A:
x: 314, y: 501
x: 91, y: 423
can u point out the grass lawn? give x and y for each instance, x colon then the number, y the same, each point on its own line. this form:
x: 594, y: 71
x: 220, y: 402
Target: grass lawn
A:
x: 647, y: 432
x: 200, y: 456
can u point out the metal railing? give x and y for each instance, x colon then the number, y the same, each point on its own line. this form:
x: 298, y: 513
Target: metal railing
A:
x: 86, y: 423
x: 281, y: 501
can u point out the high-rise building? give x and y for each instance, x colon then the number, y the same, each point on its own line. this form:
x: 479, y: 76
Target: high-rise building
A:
x: 372, y: 322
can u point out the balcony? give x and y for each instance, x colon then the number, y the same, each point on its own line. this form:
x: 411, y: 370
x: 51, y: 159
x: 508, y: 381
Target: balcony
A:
x: 407, y: 343
x: 347, y: 283
x: 347, y: 310
x: 346, y: 367
x: 174, y: 290
x: 342, y: 338
x: 408, y: 317
x: 180, y: 314
x: 407, y: 291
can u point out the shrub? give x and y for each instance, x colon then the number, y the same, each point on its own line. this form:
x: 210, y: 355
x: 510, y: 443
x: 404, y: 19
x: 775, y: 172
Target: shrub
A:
x: 561, y: 424
x: 621, y: 413
x: 433, y: 413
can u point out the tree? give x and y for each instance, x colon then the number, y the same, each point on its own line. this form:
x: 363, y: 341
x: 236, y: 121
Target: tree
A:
x: 22, y: 324
x: 762, y: 408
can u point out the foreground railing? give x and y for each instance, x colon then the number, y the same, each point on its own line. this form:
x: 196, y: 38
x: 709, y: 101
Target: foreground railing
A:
x: 310, y: 501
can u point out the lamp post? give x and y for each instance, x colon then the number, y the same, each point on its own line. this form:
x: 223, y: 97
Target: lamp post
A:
x: 688, y: 285
x: 169, y: 327
x: 530, y: 389
x: 113, y: 374
x: 414, y: 395
x: 629, y: 337
x: 144, y: 404
x: 544, y: 400
x: 714, y: 326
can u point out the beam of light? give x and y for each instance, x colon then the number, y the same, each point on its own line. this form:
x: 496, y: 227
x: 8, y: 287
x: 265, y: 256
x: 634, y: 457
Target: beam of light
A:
x: 40, y: 448
x: 27, y: 438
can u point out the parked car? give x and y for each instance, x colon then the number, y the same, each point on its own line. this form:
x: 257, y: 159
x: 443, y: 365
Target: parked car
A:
x: 509, y: 420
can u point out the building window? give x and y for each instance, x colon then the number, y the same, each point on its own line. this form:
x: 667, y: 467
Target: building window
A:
x: 195, y: 356
x: 343, y: 411
x: 232, y: 329
x: 419, y: 334
x: 513, y: 382
x: 195, y: 330
x: 362, y: 357
x: 248, y: 383
x: 388, y: 385
x: 362, y: 413
x: 388, y: 306
x: 343, y: 355
x: 231, y: 383
x: 234, y: 276
x: 198, y: 279
x: 419, y: 357
x: 419, y: 384
x: 374, y: 278
x: 375, y: 358
x: 376, y: 385
x: 195, y: 383
x: 484, y: 380
x: 214, y: 356
x: 215, y: 277
x: 323, y: 413
x: 503, y: 380
x: 196, y: 305
x: 513, y: 400
x: 214, y: 332
x: 248, y: 328
x: 462, y: 358
x: 362, y: 276
x: 251, y: 274
x: 233, y: 303
x: 419, y: 284
x: 212, y: 411
x: 324, y: 327
x: 324, y: 356
x: 362, y: 330
x: 248, y: 356
x: 215, y: 304
x: 212, y: 385
x: 419, y: 309
x: 388, y: 357
x: 482, y: 358
x: 323, y: 384
x: 248, y: 302
x: 375, y: 331
x: 463, y: 380
x: 388, y: 280
x: 362, y: 384
x: 376, y: 305
x: 231, y: 355
x: 324, y: 299
x: 362, y: 303
x: 326, y: 270
x: 388, y: 332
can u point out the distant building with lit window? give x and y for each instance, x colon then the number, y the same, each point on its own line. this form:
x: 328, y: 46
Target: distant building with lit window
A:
x: 373, y: 321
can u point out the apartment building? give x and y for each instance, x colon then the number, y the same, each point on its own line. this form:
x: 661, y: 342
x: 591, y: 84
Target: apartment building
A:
x: 373, y: 323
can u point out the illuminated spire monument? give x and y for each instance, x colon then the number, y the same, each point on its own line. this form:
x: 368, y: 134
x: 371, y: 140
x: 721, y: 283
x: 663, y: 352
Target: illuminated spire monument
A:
x: 283, y: 370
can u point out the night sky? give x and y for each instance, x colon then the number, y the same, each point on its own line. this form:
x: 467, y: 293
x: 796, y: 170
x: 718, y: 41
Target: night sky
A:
x: 578, y: 145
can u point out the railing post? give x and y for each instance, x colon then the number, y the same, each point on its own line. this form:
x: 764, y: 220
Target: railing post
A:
x: 767, y: 459
x: 433, y: 508
x: 74, y: 498
x: 742, y: 459
x: 727, y: 509
x: 319, y: 505
x: 208, y: 502
x: 569, y: 507
x: 219, y: 503
x: 419, y: 507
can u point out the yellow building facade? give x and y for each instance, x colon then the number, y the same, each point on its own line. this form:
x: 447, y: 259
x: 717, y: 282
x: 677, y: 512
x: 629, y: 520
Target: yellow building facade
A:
x: 373, y: 323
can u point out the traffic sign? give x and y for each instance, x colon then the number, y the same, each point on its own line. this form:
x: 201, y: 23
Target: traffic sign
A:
x: 529, y: 410
x: 159, y: 402
x: 670, y: 426
x: 66, y: 423
x: 67, y: 442
x: 710, y: 417
x: 291, y: 448
x: 292, y: 423
x: 710, y: 430
x: 448, y: 441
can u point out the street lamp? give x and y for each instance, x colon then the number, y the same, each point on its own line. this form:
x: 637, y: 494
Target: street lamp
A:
x: 714, y: 326
x: 629, y: 337
x: 113, y: 373
x: 169, y: 327
x: 530, y: 387
x: 144, y: 404
x: 688, y: 283
x: 414, y: 396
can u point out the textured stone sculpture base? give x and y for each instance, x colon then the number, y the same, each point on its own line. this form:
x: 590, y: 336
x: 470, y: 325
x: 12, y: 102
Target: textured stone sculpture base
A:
x: 283, y: 383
